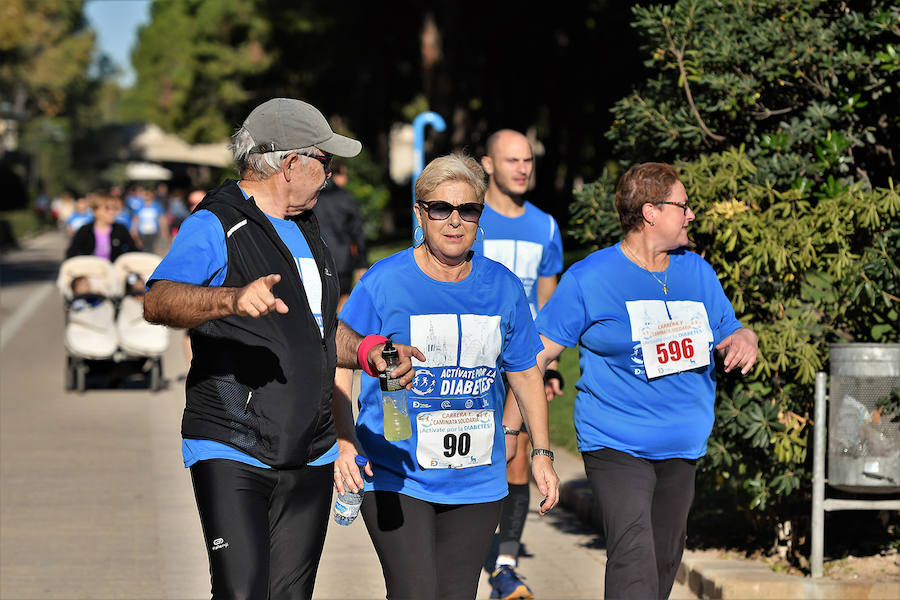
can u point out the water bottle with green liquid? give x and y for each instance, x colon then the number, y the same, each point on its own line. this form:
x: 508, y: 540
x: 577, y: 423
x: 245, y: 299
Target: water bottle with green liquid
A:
x: 393, y: 398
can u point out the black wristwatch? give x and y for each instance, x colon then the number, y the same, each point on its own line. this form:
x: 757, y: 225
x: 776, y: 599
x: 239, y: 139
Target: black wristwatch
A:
x: 508, y: 431
x: 554, y: 374
x: 543, y: 452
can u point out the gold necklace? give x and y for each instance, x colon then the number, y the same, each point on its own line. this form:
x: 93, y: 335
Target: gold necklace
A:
x: 664, y: 284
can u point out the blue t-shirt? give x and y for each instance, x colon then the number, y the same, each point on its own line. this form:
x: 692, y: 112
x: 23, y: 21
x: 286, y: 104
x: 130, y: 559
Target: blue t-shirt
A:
x: 124, y: 217
x: 134, y: 202
x: 602, y: 304
x: 79, y: 219
x: 529, y: 245
x: 199, y: 256
x: 468, y: 330
x: 147, y: 217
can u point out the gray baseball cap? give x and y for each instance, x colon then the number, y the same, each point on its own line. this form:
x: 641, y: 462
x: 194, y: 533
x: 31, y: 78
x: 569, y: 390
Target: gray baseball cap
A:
x: 287, y: 124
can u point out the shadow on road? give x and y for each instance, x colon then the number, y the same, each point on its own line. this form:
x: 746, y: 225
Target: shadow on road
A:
x: 22, y: 272
x: 568, y: 522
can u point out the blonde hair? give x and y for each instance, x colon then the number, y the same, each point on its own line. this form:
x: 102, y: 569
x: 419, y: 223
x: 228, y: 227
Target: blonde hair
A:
x: 97, y: 200
x: 451, y: 167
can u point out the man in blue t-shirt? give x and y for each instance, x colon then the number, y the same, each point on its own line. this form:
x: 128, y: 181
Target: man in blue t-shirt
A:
x: 149, y: 223
x: 527, y: 241
x: 251, y: 278
x: 82, y: 216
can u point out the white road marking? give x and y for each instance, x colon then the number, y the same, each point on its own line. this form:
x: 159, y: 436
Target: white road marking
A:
x: 23, y: 313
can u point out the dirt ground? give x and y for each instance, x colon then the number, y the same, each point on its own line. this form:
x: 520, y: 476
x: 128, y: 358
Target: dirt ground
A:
x: 881, y: 567
x: 884, y: 566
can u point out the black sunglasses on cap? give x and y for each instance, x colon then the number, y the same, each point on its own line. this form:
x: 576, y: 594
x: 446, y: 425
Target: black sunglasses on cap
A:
x: 440, y: 210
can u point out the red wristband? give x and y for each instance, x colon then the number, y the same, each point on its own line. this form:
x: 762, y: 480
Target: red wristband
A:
x: 362, y: 353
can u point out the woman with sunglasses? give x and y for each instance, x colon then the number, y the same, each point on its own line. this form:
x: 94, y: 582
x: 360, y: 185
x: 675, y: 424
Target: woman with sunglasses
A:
x: 646, y: 315
x: 434, y: 499
x: 103, y: 236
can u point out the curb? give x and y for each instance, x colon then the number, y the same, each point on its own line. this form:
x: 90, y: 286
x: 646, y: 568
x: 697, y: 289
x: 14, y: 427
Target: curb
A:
x: 729, y: 579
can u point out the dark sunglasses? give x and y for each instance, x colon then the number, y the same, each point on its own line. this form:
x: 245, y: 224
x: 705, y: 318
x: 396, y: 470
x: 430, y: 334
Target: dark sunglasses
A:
x: 325, y: 159
x: 440, y: 210
x: 684, y: 207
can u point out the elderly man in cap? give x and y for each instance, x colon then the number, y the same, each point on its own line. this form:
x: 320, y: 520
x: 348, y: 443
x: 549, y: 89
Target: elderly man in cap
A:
x: 249, y: 276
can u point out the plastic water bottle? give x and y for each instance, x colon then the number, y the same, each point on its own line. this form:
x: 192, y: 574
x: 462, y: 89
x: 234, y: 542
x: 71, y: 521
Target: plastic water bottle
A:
x: 393, y: 398
x: 346, y: 507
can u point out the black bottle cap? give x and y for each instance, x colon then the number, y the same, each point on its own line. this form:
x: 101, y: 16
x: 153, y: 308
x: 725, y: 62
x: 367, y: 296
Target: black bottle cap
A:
x: 389, y: 353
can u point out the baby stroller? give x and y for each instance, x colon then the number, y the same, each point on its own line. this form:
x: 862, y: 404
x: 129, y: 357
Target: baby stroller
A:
x: 90, y: 333
x: 139, y: 339
x: 105, y: 327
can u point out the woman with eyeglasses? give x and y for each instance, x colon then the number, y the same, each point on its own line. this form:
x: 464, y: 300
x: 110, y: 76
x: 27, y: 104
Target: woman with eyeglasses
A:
x: 433, y: 500
x: 646, y: 315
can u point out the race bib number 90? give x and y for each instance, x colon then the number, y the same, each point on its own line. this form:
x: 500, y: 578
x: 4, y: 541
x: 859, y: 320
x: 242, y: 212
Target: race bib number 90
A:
x: 454, y: 439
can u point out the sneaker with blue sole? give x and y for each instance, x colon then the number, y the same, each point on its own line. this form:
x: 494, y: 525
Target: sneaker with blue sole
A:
x: 506, y: 585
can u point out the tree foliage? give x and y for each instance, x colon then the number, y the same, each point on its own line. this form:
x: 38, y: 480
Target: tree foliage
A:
x: 45, y: 51
x: 202, y: 65
x: 801, y: 83
x: 805, y: 245
x: 48, y: 87
x: 195, y: 62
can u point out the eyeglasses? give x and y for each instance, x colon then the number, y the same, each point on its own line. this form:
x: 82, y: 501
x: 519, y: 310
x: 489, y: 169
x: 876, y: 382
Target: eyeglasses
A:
x: 684, y: 207
x: 325, y: 159
x: 440, y: 210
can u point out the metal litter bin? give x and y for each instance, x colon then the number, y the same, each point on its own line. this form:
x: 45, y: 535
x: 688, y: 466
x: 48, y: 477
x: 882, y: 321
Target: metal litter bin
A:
x: 864, y: 439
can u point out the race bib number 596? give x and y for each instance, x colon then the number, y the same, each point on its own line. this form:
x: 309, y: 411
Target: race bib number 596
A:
x: 674, y: 346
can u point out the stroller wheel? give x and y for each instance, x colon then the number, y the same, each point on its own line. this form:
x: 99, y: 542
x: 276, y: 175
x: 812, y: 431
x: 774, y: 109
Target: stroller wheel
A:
x: 156, y: 375
x: 69, y: 377
x: 80, y: 376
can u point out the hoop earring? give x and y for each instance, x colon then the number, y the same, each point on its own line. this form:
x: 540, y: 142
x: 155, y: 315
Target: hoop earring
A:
x: 481, y: 229
x: 416, y: 239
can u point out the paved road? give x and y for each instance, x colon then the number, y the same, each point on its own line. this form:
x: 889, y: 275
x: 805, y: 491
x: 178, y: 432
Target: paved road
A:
x: 95, y: 502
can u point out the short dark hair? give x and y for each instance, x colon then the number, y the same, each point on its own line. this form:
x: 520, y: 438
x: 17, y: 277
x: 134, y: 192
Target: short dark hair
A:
x: 646, y: 182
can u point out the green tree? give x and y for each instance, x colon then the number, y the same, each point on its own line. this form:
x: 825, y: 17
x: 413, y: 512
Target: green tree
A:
x: 778, y: 118
x: 808, y: 86
x: 201, y: 65
x: 45, y: 54
x: 195, y: 62
x: 45, y: 51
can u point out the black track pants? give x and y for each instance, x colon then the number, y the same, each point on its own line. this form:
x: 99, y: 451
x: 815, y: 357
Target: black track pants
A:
x: 644, y: 506
x: 429, y: 551
x: 264, y: 528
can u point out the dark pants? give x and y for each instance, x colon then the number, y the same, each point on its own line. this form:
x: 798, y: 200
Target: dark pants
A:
x: 512, y: 519
x: 429, y: 551
x: 264, y: 528
x: 148, y: 241
x: 644, y: 506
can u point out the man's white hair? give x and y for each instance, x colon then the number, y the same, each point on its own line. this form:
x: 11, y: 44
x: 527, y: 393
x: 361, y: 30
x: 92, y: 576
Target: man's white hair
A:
x: 262, y: 165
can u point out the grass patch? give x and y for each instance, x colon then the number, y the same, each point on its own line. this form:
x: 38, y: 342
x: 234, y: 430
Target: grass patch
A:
x: 385, y: 249
x: 23, y: 223
x: 562, y: 427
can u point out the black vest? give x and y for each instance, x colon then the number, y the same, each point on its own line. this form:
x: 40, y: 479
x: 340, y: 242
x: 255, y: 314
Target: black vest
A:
x: 264, y: 385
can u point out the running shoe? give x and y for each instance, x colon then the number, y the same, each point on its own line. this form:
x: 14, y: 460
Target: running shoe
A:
x: 506, y: 585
